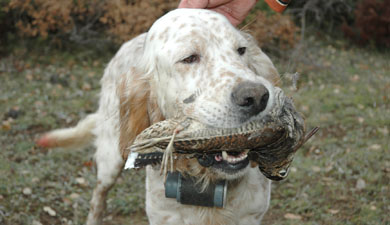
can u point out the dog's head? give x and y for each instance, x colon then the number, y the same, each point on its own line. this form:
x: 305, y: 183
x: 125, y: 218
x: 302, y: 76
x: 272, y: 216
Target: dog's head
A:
x: 198, y: 65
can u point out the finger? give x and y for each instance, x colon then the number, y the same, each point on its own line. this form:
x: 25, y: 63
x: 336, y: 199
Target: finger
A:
x: 236, y: 11
x: 227, y: 13
x: 197, y: 4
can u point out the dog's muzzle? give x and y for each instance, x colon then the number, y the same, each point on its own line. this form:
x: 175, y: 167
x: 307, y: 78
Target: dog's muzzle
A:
x: 188, y: 191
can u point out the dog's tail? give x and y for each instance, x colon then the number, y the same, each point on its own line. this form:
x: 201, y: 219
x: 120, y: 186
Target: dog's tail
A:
x: 75, y: 137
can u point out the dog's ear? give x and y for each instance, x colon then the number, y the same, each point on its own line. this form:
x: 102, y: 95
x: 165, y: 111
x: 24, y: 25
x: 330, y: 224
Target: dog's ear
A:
x: 137, y: 108
x: 259, y: 62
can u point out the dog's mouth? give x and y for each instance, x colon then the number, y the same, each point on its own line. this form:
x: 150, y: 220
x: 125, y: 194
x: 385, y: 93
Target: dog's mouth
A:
x: 227, y: 162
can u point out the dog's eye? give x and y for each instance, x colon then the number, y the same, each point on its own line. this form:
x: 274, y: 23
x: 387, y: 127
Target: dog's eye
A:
x: 191, y: 59
x: 241, y: 50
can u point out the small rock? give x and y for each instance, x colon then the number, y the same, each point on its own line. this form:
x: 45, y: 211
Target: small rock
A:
x: 316, y: 169
x: 75, y: 205
x: 291, y: 216
x: 355, y: 78
x: 333, y: 211
x: 108, y: 218
x: 35, y: 222
x: 49, y: 211
x: 74, y: 196
x: 27, y: 191
x: 29, y: 77
x: 384, y: 131
x: 66, y: 221
x: 81, y: 181
x: 360, y: 184
x: 66, y: 201
x: 373, y: 207
x: 328, y: 168
x: 293, y: 169
x: 86, y: 87
x: 91, y: 74
x: 305, y: 108
x: 6, y: 125
x: 375, y: 147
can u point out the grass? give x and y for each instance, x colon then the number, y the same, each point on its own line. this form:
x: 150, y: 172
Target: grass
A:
x: 341, y: 176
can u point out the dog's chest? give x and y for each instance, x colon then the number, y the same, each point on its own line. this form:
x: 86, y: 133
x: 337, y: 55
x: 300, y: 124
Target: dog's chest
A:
x: 247, y: 201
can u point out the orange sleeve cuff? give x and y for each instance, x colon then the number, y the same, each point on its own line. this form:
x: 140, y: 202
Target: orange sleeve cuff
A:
x: 278, y: 5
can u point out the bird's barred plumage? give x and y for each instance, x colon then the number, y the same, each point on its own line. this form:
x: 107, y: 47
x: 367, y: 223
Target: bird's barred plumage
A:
x: 271, y: 140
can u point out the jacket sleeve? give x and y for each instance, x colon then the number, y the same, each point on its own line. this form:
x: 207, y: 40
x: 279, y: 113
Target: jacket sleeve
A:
x: 278, y: 5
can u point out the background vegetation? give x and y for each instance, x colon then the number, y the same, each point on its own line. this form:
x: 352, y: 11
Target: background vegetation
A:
x: 53, y: 53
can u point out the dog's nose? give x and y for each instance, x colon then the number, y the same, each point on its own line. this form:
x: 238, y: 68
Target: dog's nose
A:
x: 251, y: 98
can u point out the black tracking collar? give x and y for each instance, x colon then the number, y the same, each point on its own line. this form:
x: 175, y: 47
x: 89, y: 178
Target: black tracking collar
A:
x: 187, y: 191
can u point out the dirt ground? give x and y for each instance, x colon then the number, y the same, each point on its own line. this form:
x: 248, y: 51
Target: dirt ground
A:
x: 341, y: 176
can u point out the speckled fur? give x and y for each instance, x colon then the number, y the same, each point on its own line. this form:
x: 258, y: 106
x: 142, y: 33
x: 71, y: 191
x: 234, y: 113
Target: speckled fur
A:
x: 146, y: 82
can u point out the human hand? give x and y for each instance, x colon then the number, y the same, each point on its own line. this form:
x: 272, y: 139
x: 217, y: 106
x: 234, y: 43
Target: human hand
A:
x: 234, y: 10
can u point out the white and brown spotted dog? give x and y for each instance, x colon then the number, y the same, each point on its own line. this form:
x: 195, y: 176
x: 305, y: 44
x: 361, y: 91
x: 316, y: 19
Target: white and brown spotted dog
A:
x: 193, y: 63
